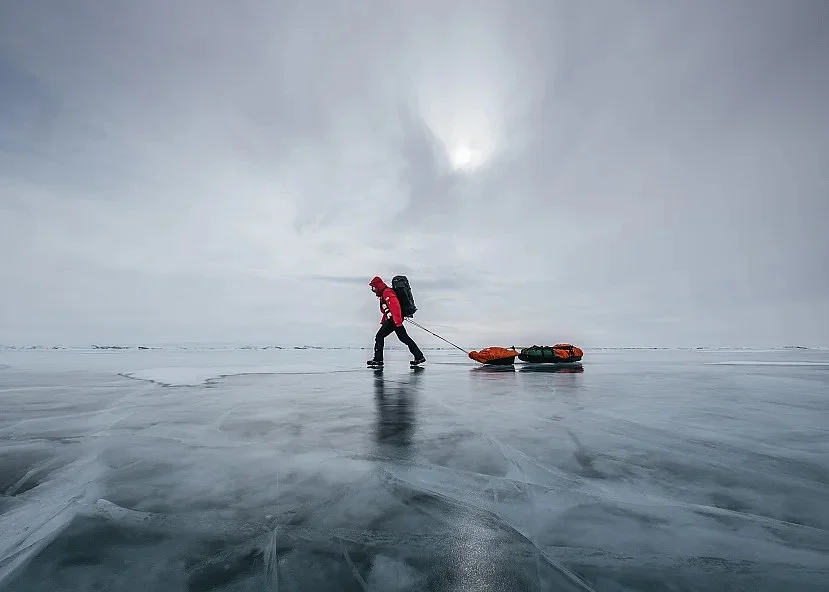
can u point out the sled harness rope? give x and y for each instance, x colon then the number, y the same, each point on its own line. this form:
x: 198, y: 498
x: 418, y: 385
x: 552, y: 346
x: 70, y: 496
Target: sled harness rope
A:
x: 436, y: 335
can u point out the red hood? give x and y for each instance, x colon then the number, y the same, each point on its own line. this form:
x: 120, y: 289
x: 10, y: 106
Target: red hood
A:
x: 378, y: 284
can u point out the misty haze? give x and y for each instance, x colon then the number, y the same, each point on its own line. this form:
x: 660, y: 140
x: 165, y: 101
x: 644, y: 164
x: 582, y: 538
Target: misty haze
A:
x: 477, y: 295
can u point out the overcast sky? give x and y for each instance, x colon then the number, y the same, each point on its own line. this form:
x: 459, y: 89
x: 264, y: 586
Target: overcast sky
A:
x: 604, y: 173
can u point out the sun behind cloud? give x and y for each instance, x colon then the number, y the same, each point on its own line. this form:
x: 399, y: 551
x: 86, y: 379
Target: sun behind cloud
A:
x: 464, y: 158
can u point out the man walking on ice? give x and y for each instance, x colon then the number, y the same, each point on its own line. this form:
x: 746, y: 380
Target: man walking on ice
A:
x: 392, y: 322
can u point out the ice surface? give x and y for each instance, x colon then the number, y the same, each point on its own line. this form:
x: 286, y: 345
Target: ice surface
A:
x: 303, y: 470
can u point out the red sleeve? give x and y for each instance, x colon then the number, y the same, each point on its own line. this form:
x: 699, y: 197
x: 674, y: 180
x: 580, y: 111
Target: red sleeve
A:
x: 394, y: 307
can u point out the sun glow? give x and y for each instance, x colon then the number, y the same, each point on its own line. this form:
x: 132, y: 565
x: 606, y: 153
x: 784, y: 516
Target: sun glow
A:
x: 464, y: 158
x: 466, y: 120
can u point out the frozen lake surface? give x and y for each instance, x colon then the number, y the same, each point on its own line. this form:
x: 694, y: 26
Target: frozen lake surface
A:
x: 302, y: 470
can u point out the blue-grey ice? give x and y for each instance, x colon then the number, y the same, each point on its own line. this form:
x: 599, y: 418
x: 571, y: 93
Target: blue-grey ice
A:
x: 241, y: 470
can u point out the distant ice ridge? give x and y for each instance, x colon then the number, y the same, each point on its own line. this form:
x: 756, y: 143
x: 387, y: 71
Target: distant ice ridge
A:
x: 176, y: 347
x: 389, y: 346
x: 765, y: 363
x: 117, y: 347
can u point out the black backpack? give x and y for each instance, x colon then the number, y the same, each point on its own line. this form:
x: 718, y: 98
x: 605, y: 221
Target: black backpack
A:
x: 400, y: 285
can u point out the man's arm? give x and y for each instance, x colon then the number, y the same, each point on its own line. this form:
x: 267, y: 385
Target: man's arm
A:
x: 394, y: 306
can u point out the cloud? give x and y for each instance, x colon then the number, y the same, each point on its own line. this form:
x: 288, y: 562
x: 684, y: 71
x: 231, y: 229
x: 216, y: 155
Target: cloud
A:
x: 631, y: 173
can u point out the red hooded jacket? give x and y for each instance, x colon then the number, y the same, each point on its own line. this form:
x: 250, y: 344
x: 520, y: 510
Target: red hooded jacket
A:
x: 388, y: 301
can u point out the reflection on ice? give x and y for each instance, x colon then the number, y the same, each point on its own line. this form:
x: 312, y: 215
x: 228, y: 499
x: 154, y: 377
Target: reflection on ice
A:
x: 395, y: 421
x: 642, y: 470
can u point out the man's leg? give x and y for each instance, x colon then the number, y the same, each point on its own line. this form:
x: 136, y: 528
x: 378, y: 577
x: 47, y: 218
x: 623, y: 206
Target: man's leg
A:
x: 403, y: 336
x: 384, y: 331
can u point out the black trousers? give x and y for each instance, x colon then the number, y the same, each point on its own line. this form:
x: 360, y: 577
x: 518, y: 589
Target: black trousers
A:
x: 386, y: 329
